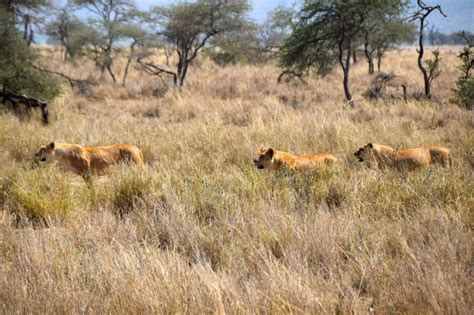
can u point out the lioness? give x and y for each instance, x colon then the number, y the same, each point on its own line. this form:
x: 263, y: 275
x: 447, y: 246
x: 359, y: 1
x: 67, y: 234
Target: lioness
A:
x: 267, y: 158
x: 85, y: 161
x: 380, y: 156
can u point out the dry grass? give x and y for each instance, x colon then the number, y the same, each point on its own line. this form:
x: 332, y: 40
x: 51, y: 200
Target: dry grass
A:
x: 203, y: 232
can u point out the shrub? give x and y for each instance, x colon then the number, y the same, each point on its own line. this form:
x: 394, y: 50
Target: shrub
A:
x: 464, y: 92
x: 130, y: 191
x: 35, y: 196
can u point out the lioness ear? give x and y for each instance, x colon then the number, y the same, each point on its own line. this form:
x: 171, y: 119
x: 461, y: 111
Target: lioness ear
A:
x: 51, y: 145
x: 370, y: 145
x: 270, y: 152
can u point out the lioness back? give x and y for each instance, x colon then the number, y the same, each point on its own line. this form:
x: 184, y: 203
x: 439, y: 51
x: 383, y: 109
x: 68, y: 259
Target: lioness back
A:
x: 104, y: 156
x: 319, y: 158
x: 412, y: 158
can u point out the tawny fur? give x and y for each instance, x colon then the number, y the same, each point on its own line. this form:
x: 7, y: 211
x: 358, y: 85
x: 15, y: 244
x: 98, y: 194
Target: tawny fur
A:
x: 440, y: 155
x: 380, y: 156
x: 267, y: 158
x: 86, y: 161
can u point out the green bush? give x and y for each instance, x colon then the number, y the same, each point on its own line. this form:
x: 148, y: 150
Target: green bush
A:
x: 130, y: 191
x: 35, y: 196
x: 464, y: 92
x: 18, y: 75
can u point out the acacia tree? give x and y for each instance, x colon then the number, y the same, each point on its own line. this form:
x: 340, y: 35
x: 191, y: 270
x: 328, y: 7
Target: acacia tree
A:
x: 108, y: 20
x: 20, y: 81
x: 189, y: 26
x: 430, y: 68
x: 395, y: 33
x: 70, y: 32
x: 464, y: 91
x: 29, y: 16
x: 325, y: 34
x: 385, y: 27
x: 137, y: 37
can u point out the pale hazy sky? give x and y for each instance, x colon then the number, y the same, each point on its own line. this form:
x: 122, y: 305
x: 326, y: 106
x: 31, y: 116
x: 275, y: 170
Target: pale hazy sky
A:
x: 460, y: 12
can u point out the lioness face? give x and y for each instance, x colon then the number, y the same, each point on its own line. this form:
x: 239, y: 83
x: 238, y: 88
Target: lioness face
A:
x: 45, y: 153
x: 264, y: 159
x: 364, y: 153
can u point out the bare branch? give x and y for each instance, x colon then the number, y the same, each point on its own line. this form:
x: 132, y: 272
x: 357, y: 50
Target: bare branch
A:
x: 468, y: 39
x: 153, y: 69
x: 72, y: 82
x: 290, y: 72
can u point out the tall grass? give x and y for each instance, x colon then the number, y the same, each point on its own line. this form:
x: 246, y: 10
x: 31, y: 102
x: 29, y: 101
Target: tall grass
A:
x: 202, y: 231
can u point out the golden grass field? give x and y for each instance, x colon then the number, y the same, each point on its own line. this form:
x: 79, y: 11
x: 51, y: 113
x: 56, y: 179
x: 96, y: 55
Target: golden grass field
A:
x: 202, y: 231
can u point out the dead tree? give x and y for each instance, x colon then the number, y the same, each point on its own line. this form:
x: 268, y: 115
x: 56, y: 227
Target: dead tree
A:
x: 384, y: 80
x: 22, y: 105
x: 421, y: 15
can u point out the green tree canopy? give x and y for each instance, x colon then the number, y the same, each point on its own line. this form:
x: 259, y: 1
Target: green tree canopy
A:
x: 385, y: 27
x: 326, y: 33
x: 18, y: 75
x: 189, y: 26
x: 108, y: 21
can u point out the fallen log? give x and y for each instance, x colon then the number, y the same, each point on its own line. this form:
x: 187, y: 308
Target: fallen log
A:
x: 14, y: 101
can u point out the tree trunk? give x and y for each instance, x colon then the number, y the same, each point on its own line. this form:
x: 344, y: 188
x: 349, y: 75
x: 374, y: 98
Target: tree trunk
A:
x: 108, y: 64
x: 25, y: 27
x: 421, y: 51
x: 183, y: 74
x: 379, y: 60
x: 129, y: 60
x: 346, y: 65
x: 109, y: 69
x: 167, y: 56
x: 354, y: 56
x: 369, y: 55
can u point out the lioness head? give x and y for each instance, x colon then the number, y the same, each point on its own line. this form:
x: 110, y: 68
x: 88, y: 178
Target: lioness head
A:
x: 364, y: 153
x: 264, y: 159
x: 45, y: 152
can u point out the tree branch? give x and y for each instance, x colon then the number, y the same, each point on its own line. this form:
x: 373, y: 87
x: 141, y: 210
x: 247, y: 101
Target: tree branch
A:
x: 153, y: 69
x: 72, y: 82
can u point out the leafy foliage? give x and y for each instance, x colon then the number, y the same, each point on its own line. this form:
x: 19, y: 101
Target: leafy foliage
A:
x: 70, y: 32
x: 464, y: 91
x: 433, y: 65
x: 255, y: 42
x: 18, y: 75
x: 327, y: 33
x: 384, y: 28
x: 189, y: 26
x: 110, y: 18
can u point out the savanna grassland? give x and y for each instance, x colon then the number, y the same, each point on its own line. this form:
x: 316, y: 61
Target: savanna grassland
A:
x: 202, y: 231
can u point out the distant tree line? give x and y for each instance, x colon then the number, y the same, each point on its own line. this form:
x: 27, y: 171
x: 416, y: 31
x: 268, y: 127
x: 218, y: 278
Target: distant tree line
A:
x: 312, y: 40
x: 437, y: 38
